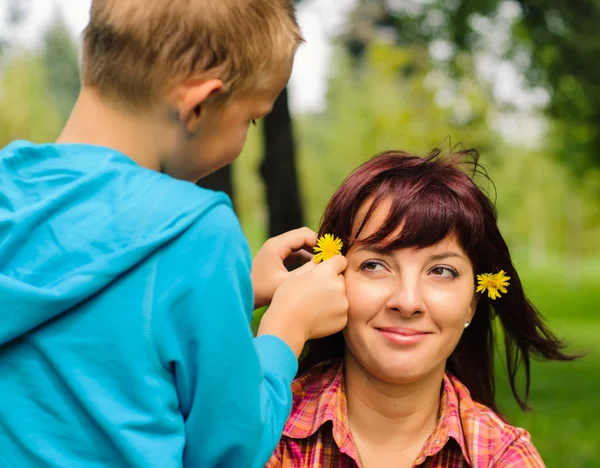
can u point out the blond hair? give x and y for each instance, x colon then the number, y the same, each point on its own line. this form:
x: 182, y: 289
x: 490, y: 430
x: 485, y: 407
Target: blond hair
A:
x: 134, y: 50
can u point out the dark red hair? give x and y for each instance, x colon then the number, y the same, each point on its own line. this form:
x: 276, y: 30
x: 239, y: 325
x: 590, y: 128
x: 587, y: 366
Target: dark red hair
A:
x: 432, y: 198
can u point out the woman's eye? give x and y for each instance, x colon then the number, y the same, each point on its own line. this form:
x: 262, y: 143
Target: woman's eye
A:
x: 444, y: 272
x: 371, y: 265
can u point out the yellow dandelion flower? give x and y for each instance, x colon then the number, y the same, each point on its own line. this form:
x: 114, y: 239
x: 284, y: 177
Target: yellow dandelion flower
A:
x: 493, y: 283
x: 327, y: 247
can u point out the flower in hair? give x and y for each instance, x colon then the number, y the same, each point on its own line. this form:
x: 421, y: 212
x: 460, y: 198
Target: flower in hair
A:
x: 327, y: 246
x: 493, y: 283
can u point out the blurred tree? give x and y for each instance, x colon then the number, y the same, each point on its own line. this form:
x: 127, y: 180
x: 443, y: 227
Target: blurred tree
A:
x: 26, y: 109
x: 384, y: 109
x: 16, y: 12
x: 401, y: 101
x: 61, y: 64
x: 564, y: 41
x: 560, y: 37
x: 553, y: 43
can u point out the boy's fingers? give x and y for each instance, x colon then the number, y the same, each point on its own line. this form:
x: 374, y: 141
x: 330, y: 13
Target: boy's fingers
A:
x: 337, y: 263
x: 308, y: 266
x: 291, y: 241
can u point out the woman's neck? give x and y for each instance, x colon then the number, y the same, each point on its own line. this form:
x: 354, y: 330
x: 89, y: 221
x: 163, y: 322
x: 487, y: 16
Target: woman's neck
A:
x: 386, y: 417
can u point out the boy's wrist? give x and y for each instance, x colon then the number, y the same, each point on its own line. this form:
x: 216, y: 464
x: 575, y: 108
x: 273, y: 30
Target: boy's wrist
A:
x: 292, y: 334
x: 260, y: 302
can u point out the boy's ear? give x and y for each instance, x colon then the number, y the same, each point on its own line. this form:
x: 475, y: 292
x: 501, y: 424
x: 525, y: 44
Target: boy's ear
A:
x: 193, y: 98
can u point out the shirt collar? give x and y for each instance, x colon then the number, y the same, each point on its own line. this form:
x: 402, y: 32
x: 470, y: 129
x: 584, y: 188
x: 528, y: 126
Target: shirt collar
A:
x: 449, y: 424
x: 319, y: 398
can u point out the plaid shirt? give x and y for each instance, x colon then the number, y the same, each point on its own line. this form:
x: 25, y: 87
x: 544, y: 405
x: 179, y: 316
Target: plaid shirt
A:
x: 467, y: 434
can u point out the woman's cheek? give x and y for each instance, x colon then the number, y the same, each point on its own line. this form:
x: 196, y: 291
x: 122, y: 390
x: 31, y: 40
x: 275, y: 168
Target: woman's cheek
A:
x: 448, y: 307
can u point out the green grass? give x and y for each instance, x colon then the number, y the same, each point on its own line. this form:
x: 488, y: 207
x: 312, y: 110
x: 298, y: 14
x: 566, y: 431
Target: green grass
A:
x: 565, y: 397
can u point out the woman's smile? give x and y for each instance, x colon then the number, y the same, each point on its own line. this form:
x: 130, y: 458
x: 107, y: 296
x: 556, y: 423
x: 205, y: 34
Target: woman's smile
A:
x: 402, y: 336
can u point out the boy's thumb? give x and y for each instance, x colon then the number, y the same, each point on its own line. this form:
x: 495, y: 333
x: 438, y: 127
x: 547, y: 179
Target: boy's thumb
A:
x: 305, y: 268
x: 337, y: 263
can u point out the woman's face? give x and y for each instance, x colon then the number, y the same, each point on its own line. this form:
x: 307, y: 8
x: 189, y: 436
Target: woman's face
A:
x: 408, y: 307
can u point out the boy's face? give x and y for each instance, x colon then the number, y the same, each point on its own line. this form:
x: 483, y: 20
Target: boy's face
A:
x: 221, y: 130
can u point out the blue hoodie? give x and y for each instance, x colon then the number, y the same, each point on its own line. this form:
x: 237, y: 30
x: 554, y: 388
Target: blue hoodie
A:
x: 125, y: 301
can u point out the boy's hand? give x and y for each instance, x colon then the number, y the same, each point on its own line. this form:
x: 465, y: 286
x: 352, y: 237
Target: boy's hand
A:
x: 269, y: 266
x: 310, y: 304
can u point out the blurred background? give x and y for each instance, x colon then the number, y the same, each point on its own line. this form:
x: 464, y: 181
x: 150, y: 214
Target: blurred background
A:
x: 518, y: 80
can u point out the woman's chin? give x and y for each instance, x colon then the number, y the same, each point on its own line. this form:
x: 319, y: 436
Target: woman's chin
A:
x: 399, y: 374
x: 396, y: 368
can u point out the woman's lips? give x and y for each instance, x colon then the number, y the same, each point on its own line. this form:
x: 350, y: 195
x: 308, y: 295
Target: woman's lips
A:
x: 402, y: 336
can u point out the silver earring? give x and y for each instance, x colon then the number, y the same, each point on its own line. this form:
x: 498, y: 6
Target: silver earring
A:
x: 467, y: 323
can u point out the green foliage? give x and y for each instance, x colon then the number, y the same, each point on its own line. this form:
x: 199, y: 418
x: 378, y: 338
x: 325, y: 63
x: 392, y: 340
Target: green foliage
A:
x: 564, y: 43
x: 251, y: 205
x: 399, y: 101
x: 37, y: 88
x: 27, y: 110
x: 391, y: 104
x: 555, y: 43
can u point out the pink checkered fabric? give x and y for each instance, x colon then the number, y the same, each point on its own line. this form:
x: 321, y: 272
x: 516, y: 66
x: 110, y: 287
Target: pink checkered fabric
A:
x: 468, y: 434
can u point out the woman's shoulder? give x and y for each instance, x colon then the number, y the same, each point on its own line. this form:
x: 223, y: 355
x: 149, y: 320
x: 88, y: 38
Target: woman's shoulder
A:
x: 322, y: 375
x: 472, y: 411
x: 485, y: 435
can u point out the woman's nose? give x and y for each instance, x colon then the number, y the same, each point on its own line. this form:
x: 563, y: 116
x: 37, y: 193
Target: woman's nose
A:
x: 406, y: 298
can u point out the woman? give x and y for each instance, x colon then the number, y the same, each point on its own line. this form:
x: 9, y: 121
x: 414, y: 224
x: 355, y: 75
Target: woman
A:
x: 410, y: 381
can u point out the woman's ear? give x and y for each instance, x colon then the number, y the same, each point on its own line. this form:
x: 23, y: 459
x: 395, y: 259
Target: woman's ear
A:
x: 473, y: 306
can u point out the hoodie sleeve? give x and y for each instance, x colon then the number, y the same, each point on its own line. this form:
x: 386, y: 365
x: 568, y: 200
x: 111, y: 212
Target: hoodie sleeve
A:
x: 234, y: 391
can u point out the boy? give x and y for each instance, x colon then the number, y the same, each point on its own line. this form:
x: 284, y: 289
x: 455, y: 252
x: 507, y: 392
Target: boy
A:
x: 125, y: 291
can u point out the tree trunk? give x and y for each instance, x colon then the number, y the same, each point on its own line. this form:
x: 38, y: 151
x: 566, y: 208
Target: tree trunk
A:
x: 278, y: 170
x: 221, y: 181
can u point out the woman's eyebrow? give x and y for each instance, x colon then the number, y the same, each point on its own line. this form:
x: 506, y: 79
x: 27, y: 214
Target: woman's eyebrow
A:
x: 445, y: 255
x: 386, y: 251
x: 375, y: 249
